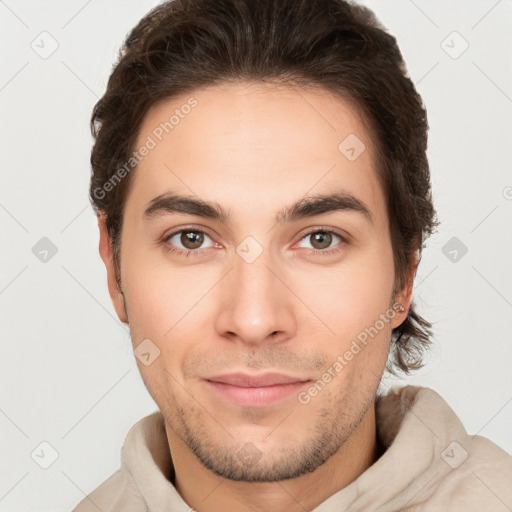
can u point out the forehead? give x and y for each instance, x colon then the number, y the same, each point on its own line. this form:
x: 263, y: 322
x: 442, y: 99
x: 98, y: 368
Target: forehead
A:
x: 252, y: 114
x: 276, y: 142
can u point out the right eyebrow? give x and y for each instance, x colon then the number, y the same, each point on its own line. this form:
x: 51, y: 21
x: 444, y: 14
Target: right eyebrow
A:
x: 173, y: 203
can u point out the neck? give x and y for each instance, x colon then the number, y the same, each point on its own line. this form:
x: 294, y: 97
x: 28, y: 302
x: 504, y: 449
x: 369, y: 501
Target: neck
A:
x: 205, y: 491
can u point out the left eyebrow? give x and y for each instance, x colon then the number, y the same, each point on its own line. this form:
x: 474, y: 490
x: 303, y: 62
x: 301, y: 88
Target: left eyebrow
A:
x: 310, y: 206
x: 306, y: 207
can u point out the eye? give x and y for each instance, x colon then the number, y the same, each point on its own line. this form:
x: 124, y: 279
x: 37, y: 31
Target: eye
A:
x: 187, y: 241
x: 321, y: 240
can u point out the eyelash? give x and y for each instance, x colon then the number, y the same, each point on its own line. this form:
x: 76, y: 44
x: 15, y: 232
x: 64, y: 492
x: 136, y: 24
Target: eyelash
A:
x: 199, y: 252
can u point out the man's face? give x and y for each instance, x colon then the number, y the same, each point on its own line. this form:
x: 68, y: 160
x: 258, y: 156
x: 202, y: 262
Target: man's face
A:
x: 256, y: 295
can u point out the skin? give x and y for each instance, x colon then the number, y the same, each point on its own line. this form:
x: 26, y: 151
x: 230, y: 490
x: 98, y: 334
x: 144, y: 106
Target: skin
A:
x: 254, y: 150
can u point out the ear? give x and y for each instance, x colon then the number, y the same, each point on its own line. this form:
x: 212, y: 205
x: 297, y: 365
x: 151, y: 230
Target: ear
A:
x: 404, y: 296
x: 105, y: 248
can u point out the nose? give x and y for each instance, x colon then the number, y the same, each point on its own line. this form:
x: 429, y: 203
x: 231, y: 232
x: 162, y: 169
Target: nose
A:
x: 256, y: 303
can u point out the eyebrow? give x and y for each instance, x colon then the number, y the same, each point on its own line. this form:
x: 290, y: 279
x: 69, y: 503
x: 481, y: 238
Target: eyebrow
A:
x: 306, y: 207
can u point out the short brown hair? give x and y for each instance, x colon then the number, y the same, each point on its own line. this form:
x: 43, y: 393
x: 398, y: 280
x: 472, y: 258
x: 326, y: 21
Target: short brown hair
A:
x: 182, y: 45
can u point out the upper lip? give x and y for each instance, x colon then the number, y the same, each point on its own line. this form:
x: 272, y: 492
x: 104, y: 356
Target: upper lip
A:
x: 253, y: 381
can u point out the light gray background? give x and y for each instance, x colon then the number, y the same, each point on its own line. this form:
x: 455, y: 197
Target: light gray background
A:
x: 68, y: 375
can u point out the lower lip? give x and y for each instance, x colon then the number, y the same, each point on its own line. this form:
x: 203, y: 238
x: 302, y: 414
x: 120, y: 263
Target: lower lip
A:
x: 254, y: 397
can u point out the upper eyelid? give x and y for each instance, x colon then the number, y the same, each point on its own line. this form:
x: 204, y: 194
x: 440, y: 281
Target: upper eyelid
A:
x: 324, y: 229
x: 184, y: 230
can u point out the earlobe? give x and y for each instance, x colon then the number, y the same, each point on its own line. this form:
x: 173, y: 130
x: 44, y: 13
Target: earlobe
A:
x: 105, y: 250
x: 404, y: 297
x: 400, y: 307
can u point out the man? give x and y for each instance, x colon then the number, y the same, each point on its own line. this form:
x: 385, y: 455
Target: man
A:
x: 263, y: 196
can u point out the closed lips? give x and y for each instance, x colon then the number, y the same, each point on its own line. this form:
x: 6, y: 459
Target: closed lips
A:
x: 255, y: 381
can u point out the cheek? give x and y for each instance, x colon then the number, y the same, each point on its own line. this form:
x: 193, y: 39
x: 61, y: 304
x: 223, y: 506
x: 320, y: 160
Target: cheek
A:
x: 149, y: 306
x: 167, y: 305
x: 158, y: 295
x: 348, y: 298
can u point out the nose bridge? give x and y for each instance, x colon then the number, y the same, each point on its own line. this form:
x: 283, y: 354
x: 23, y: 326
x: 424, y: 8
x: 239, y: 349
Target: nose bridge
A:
x: 254, y: 281
x: 255, y: 301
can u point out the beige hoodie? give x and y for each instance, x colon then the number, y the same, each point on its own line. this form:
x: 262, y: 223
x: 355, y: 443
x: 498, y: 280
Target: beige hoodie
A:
x: 430, y: 464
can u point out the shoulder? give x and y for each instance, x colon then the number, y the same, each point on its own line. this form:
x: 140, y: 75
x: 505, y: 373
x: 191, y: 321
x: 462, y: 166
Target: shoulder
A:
x: 145, y: 443
x: 479, y: 476
x: 464, y: 472
x: 116, y: 493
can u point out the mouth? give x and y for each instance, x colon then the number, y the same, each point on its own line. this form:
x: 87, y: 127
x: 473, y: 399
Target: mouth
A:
x: 255, y: 390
